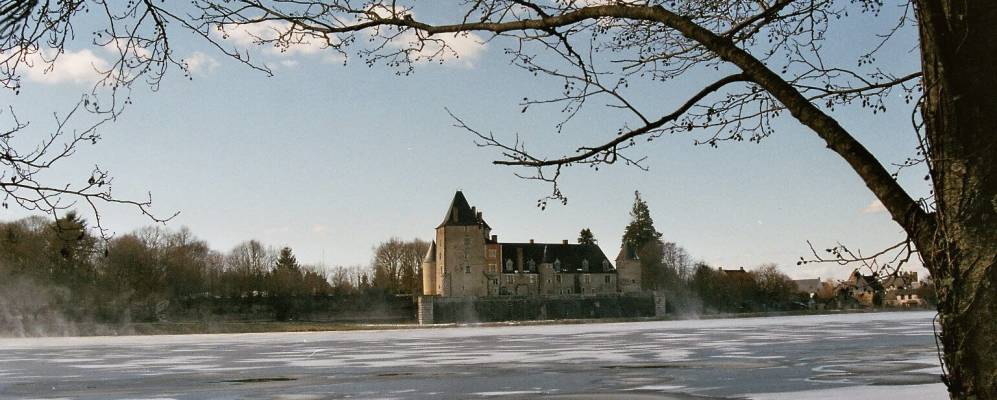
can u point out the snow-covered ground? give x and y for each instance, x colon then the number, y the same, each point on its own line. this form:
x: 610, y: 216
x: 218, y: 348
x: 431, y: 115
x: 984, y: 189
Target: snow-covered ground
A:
x: 855, y: 356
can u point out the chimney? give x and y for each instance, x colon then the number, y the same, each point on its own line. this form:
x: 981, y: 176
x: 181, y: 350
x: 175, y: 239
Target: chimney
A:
x: 519, y: 259
x: 531, y: 241
x: 495, y: 238
x: 565, y: 241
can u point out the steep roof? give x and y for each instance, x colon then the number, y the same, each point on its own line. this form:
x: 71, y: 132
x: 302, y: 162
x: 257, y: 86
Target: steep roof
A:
x: 735, y: 272
x: 571, y: 256
x: 627, y: 252
x: 460, y: 213
x: 900, y: 280
x: 431, y: 254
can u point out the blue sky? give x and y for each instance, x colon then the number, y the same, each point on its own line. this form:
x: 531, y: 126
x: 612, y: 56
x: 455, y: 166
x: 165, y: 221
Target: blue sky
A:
x: 331, y: 159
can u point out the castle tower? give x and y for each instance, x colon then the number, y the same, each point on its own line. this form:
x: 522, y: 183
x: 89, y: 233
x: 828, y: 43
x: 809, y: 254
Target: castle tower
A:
x: 428, y: 268
x: 460, y: 251
x: 628, y: 270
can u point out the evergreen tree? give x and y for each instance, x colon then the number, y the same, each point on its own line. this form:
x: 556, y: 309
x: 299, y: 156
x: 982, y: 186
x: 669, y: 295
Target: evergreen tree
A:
x: 641, y: 230
x: 287, y: 282
x: 286, y: 261
x: 586, y: 237
x: 641, y: 236
x: 71, y: 250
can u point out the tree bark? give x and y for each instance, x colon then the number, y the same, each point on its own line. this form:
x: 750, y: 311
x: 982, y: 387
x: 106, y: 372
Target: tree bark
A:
x: 958, y: 53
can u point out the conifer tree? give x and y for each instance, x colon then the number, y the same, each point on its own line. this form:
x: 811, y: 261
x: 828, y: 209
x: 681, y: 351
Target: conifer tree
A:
x: 286, y: 283
x: 640, y: 235
x: 286, y: 261
x: 641, y: 229
x: 586, y: 237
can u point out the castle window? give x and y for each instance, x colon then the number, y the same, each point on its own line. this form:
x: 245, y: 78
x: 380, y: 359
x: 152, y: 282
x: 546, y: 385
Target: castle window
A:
x: 531, y: 265
x: 605, y: 265
x: 493, y: 268
x: 558, y: 278
x: 508, y: 265
x: 508, y: 279
x: 491, y: 253
x: 587, y: 278
x: 607, y: 278
x: 585, y: 264
x: 467, y: 269
x: 557, y: 264
x: 533, y: 278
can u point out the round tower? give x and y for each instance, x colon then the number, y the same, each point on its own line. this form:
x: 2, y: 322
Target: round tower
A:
x: 428, y: 268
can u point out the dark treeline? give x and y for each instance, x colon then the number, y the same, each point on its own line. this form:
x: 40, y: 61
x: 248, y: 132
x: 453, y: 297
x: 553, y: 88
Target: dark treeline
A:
x: 695, y: 287
x: 59, y: 271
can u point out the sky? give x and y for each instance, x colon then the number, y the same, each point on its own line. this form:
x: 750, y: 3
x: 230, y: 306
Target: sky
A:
x: 331, y: 159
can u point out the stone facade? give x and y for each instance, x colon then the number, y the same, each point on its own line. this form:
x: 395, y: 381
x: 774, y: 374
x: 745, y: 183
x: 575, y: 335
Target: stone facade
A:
x: 465, y: 260
x: 628, y: 270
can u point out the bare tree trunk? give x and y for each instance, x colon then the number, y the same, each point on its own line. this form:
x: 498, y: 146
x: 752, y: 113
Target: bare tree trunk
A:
x: 959, y: 50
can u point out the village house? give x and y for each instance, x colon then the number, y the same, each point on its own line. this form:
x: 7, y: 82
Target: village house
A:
x: 467, y: 260
x: 901, y: 289
x: 867, y: 290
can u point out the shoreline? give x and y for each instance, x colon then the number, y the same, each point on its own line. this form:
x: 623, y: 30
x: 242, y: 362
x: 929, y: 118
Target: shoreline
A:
x: 269, y: 326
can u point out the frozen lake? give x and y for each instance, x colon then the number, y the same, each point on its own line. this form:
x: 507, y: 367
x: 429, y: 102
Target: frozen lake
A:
x: 855, y: 356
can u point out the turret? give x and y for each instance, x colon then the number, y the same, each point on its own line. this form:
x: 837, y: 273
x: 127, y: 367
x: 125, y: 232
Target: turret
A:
x: 428, y: 268
x: 628, y: 274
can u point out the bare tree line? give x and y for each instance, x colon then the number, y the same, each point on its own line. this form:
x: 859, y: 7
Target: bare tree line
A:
x: 139, y: 275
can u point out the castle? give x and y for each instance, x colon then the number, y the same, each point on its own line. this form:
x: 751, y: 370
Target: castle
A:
x: 466, y: 260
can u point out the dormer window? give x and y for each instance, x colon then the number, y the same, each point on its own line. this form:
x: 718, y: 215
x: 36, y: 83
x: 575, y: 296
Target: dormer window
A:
x: 508, y: 265
x: 585, y: 264
x: 531, y: 265
x: 557, y: 264
x: 605, y: 265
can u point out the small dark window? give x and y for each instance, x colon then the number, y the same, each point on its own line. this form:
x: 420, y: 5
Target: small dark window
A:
x: 467, y: 269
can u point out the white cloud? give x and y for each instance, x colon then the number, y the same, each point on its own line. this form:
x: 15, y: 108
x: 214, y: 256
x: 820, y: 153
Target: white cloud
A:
x: 77, y: 67
x: 251, y: 35
x: 874, y: 207
x: 200, y: 63
x: 464, y: 49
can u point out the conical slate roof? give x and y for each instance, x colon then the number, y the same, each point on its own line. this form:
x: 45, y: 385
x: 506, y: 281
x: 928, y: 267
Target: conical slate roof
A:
x: 627, y: 252
x: 431, y: 254
x: 460, y: 213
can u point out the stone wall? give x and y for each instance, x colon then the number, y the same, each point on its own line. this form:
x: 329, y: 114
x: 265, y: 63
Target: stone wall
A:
x: 525, y: 308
